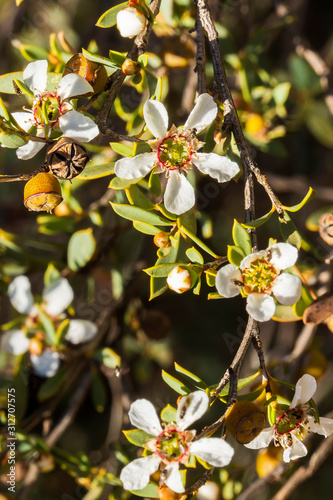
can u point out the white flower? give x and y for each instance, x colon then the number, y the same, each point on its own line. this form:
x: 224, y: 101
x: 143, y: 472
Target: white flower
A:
x: 179, y: 279
x: 51, y: 109
x: 130, y: 22
x: 172, y: 444
x: 175, y: 151
x: 56, y: 298
x: 291, y: 427
x: 259, y: 276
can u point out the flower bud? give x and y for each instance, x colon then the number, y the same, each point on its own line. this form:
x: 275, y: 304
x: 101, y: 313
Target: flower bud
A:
x: 130, y: 22
x: 244, y: 421
x: 179, y: 279
x: 130, y: 67
x: 42, y: 193
x: 162, y: 240
x: 255, y: 126
x: 67, y: 158
x: 45, y: 463
x: 93, y: 72
x: 36, y: 345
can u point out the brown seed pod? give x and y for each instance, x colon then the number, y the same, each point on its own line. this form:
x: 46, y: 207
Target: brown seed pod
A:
x: 326, y: 228
x: 244, y: 421
x: 319, y: 310
x: 67, y: 158
x: 94, y: 73
x: 42, y: 193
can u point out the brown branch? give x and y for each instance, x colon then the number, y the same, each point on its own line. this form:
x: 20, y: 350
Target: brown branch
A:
x: 24, y: 177
x: 200, y: 67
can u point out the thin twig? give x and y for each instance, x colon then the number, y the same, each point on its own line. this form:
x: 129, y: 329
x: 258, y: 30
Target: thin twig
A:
x: 24, y: 177
x: 200, y: 67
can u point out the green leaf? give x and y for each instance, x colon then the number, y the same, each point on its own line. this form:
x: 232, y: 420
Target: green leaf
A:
x: 166, y: 212
x: 200, y: 243
x: 122, y: 149
x: 49, y: 330
x: 108, y: 357
x: 251, y: 396
x: 97, y: 171
x: 99, y: 59
x: 312, y: 222
x: 281, y: 93
x: 320, y: 123
x: 51, y: 274
x: 139, y: 214
x: 21, y: 386
x: 145, y: 228
x: 295, y: 208
x: 260, y: 221
x: 175, y: 384
x: 136, y: 197
x: 214, y: 296
x: 151, y: 490
x: 118, y: 183
x: 117, y: 57
x: 137, y: 437
x: 151, y: 81
x: 271, y: 414
x: 99, y: 392
x: 168, y: 414
x: 109, y: 17
x: 12, y: 140
x: 194, y: 255
x: 191, y: 377
x: 289, y: 231
x: 241, y: 237
x: 154, y: 184
x: 51, y: 224
x: 33, y: 52
x: 61, y: 331
x: 7, y: 87
x: 235, y: 255
x: 285, y: 313
x: 52, y: 385
x: 81, y: 248
x: 161, y: 270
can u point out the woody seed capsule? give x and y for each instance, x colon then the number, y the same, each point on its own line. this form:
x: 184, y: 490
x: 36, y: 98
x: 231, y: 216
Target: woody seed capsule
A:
x: 244, y: 421
x: 67, y: 158
x: 94, y: 73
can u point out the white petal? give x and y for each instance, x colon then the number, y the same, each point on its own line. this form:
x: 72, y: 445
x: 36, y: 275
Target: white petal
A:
x: 283, y: 255
x: 287, y: 289
x: 73, y: 85
x: 29, y: 150
x: 156, y: 118
x: 224, y: 281
x: 35, y: 76
x: 136, y: 166
x: 203, y: 113
x: 80, y: 330
x: 58, y: 296
x: 130, y: 22
x: 179, y: 194
x: 305, y: 388
x: 261, y: 441
x: 136, y: 474
x: 47, y: 364
x: 325, y: 428
x: 142, y: 415
x: 24, y: 119
x: 20, y: 296
x: 218, y: 167
x: 78, y: 127
x: 14, y: 342
x: 260, y: 306
x: 296, y: 450
x: 247, y: 261
x: 209, y: 491
x: 191, y: 408
x: 173, y: 479
x: 214, y: 451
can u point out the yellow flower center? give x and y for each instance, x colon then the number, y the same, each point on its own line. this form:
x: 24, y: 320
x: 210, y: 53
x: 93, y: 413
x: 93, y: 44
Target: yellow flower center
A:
x: 258, y: 277
x: 175, y: 151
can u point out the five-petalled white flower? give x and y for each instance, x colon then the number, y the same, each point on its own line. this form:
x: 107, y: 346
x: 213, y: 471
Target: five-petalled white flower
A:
x: 292, y: 425
x: 51, y: 109
x: 56, y: 298
x: 175, y: 151
x: 259, y: 276
x: 172, y: 444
